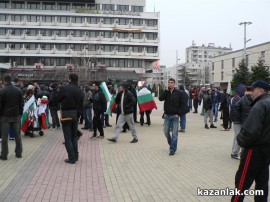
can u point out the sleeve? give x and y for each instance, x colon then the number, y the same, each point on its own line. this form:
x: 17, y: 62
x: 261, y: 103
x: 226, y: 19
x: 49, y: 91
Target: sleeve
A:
x: 252, y: 128
x: 103, y: 102
x: 117, y: 99
x: 163, y: 96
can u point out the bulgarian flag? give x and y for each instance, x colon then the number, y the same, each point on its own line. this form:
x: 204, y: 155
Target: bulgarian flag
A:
x: 26, y: 116
x: 146, y: 100
x: 107, y: 94
x: 229, y: 88
x: 112, y: 106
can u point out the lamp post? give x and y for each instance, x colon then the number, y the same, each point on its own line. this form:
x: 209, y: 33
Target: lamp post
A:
x: 245, y: 39
x: 176, y: 69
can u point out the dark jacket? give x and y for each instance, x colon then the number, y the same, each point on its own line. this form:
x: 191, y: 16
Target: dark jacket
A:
x: 172, y: 102
x: 225, y: 103
x: 11, y: 101
x: 71, y: 97
x: 52, y: 99
x: 42, y: 93
x: 256, y: 129
x: 99, y: 102
x: 128, y: 103
x: 87, y: 101
x: 207, y: 101
x: 235, y: 116
x: 243, y: 107
x: 184, y: 108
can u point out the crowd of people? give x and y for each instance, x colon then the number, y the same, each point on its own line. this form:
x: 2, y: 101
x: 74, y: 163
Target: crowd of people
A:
x: 27, y: 108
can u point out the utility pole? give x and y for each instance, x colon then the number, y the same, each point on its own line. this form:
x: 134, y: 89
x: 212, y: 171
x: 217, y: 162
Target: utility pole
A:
x: 245, y: 40
x: 176, y: 69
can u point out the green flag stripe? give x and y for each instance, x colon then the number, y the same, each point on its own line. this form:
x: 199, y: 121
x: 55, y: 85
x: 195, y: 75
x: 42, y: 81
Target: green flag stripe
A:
x: 145, y: 98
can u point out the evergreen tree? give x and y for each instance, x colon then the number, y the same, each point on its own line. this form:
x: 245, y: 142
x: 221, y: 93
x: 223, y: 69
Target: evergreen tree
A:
x: 259, y: 72
x: 242, y: 75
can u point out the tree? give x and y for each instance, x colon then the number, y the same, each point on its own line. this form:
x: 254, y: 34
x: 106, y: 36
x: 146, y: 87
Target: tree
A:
x: 242, y: 75
x: 259, y: 72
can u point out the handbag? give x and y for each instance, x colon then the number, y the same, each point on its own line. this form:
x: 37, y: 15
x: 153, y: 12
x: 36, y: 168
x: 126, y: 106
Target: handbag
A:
x: 69, y: 115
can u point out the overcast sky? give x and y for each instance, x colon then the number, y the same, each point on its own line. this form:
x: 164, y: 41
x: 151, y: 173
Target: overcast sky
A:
x: 209, y: 21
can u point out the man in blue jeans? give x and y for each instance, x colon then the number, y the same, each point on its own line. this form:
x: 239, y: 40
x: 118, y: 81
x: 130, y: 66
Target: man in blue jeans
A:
x: 171, y: 98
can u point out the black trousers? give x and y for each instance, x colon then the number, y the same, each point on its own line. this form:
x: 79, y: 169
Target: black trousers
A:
x: 98, y: 125
x: 225, y: 116
x: 70, y: 134
x: 135, y: 113
x: 254, y: 166
x: 195, y: 104
x: 148, y: 120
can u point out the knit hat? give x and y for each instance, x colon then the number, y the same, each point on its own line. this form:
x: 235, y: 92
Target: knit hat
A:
x: 124, y: 85
x: 44, y: 100
x: 240, y: 90
x: 260, y: 84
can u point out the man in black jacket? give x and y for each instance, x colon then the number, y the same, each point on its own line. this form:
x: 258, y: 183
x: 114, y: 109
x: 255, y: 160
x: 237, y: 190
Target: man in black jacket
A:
x: 254, y: 138
x: 11, y: 110
x: 99, y: 108
x: 126, y: 101
x: 54, y: 106
x: 71, y: 98
x: 172, y: 106
x: 184, y: 108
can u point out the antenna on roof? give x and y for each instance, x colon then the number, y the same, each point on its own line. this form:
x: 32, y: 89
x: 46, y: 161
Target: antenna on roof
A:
x: 154, y: 6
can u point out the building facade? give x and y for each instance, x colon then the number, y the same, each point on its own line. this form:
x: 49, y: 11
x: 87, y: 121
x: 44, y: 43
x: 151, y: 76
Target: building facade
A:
x: 114, y: 34
x: 199, y: 61
x: 224, y: 66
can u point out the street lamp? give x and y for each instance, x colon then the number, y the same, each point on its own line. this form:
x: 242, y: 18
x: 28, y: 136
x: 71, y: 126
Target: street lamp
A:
x: 245, y: 39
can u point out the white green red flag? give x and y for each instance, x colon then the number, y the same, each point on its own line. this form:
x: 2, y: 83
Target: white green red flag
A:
x: 29, y: 114
x: 229, y: 88
x: 111, y: 106
x: 145, y: 100
x: 108, y: 97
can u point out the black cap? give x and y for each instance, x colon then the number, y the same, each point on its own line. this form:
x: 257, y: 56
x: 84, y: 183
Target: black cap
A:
x: 260, y: 84
x: 124, y: 85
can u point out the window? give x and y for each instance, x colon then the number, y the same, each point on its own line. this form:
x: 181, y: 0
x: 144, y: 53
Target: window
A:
x: 64, y: 19
x: 32, y: 18
x: 3, y: 17
x: 48, y: 19
x: 17, y: 5
x: 137, y: 8
x: 213, y: 66
x: 136, y: 63
x: 222, y: 64
x: 233, y: 62
x: 108, y: 34
x: 16, y: 46
x: 33, y: 5
x: 77, y: 6
x: 17, y: 60
x: 32, y: 61
x: 78, y: 20
x: 62, y: 33
x: 93, y: 34
x: 123, y: 48
x: 64, y: 6
x: 151, y: 49
x: 122, y: 35
x: 2, y: 46
x: 94, y: 47
x: 48, y: 61
x: 48, y: 6
x: 93, y: 20
x: 61, y: 47
x: 200, y: 56
x: 32, y: 46
x: 4, y: 4
x: 123, y: 7
x: 78, y: 47
x: 62, y: 61
x: 137, y: 49
x: 263, y: 56
x: 33, y: 32
x: 123, y: 21
x: 137, y: 35
x: 108, y: 21
x: 222, y: 76
x: 17, y: 18
x: 94, y: 6
x: 151, y: 36
x: 151, y: 23
x: 137, y: 22
x: 121, y: 63
x: 3, y: 31
x: 108, y: 48
x: 18, y: 32
x: 108, y: 7
x: 48, y: 46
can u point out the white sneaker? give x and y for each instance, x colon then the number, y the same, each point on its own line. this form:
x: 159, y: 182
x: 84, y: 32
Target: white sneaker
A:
x: 0, y: 140
x: 93, y: 138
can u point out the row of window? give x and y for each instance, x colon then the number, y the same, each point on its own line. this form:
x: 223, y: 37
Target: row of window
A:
x: 21, y: 61
x: 78, y: 33
x: 78, y: 47
x: 67, y: 6
x: 80, y: 20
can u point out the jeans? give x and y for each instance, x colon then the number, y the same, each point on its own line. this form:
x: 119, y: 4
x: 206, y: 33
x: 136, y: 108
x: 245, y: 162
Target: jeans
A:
x: 171, y: 121
x: 215, y: 109
x: 70, y: 134
x: 15, y: 124
x: 183, y: 121
x: 190, y: 103
x: 55, y: 118
x: 87, y: 113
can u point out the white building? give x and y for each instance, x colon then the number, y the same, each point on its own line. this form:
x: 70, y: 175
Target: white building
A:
x: 224, y: 66
x: 199, y: 61
x: 114, y: 34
